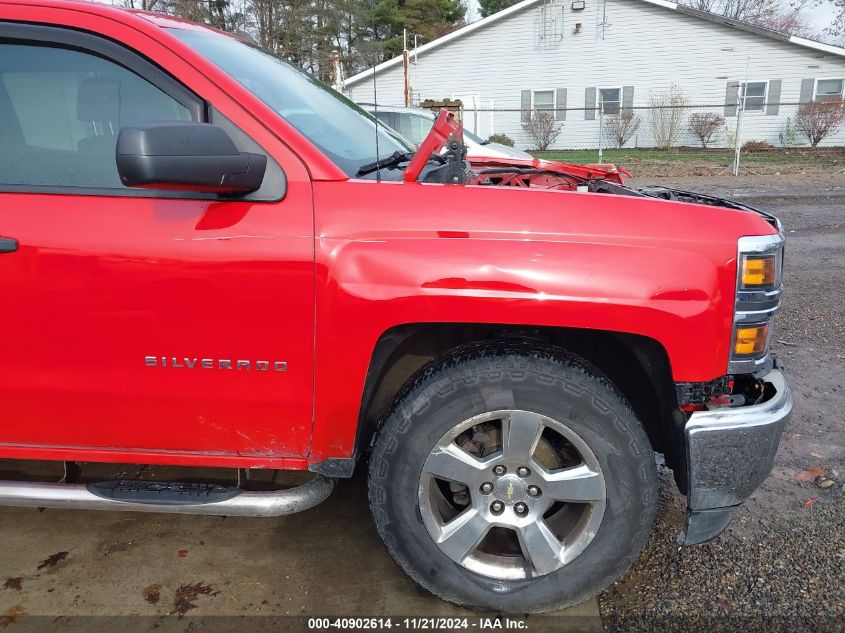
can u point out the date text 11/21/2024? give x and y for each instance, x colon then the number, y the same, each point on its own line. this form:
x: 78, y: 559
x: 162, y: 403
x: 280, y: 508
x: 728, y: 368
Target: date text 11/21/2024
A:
x: 418, y: 623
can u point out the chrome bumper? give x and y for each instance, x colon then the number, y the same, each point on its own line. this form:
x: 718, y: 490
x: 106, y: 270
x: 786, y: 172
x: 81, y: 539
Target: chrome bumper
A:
x: 730, y: 451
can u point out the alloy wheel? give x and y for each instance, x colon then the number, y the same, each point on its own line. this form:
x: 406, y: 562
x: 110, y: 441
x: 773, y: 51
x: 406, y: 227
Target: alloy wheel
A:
x: 512, y: 494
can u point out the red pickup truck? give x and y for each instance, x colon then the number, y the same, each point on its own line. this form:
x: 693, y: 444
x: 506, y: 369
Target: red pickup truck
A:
x: 210, y: 259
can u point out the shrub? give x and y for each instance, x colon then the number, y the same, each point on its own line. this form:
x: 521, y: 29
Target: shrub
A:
x: 703, y: 125
x: 542, y: 128
x: 788, y: 136
x: 667, y: 115
x: 621, y: 127
x: 818, y: 119
x: 501, y: 139
x: 730, y: 134
x: 757, y: 146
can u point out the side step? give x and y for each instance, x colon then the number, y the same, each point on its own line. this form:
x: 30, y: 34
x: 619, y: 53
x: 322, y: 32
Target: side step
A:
x: 164, y: 493
x: 178, y: 498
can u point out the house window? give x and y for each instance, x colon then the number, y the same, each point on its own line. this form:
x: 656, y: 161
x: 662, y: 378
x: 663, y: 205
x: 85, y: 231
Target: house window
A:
x: 829, y: 90
x: 544, y: 99
x: 754, y: 96
x: 610, y: 99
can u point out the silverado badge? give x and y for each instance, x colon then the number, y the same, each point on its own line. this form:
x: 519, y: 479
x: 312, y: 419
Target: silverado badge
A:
x: 215, y: 363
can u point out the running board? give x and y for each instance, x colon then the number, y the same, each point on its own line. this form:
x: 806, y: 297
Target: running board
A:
x: 178, y: 498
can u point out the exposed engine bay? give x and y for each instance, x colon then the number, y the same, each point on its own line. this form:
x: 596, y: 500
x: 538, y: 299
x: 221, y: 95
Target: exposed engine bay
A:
x: 442, y: 158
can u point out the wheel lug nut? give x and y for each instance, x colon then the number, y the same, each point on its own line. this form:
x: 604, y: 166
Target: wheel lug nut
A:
x: 520, y: 509
x: 522, y: 471
x: 486, y: 488
x: 497, y: 506
x: 533, y: 491
x: 499, y: 470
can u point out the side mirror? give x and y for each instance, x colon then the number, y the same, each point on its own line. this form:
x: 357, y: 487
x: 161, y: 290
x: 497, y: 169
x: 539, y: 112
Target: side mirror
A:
x: 186, y: 156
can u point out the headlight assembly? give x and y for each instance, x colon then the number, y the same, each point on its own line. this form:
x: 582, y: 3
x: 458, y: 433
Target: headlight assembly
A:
x: 758, y: 290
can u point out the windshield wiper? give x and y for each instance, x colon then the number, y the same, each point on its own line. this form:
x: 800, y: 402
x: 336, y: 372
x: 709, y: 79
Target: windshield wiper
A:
x: 394, y: 160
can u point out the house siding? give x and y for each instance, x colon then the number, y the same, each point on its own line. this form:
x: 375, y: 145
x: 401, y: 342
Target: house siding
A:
x: 642, y: 45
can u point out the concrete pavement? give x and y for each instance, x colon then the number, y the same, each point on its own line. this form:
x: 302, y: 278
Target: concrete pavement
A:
x: 326, y: 561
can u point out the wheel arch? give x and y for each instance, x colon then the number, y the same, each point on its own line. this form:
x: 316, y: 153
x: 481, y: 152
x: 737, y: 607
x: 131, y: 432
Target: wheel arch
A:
x: 638, y: 366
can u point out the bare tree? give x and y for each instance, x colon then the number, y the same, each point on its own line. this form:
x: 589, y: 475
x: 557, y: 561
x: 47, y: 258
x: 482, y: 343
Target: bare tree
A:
x: 621, y: 127
x: 786, y: 16
x: 542, y: 128
x: 745, y: 10
x: 703, y: 125
x: 711, y: 6
x: 837, y: 27
x: 666, y: 112
x: 264, y: 22
x: 792, y: 21
x: 143, y: 5
x: 818, y: 119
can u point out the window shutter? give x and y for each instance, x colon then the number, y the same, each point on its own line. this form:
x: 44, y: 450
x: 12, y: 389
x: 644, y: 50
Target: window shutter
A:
x: 590, y: 104
x: 627, y: 98
x: 807, y: 88
x: 560, y: 104
x: 731, y: 98
x: 774, y: 96
x: 525, y: 106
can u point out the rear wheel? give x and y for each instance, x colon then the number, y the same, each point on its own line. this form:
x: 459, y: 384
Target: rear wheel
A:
x: 512, y: 479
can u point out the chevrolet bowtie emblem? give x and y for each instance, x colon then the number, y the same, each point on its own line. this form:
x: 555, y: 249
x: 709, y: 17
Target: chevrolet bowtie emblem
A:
x: 510, y: 491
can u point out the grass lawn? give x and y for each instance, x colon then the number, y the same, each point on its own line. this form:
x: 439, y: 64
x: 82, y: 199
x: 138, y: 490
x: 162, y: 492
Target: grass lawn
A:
x: 722, y: 157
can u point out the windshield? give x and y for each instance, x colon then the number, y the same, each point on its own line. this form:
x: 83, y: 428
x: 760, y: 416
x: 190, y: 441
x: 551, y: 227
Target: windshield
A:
x: 342, y: 130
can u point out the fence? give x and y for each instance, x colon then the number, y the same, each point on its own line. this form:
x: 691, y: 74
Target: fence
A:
x: 761, y: 134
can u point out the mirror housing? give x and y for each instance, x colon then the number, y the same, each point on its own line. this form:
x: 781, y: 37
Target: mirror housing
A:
x: 186, y: 156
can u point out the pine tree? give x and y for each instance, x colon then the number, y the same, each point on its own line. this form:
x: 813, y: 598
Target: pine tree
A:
x: 307, y: 32
x: 489, y: 7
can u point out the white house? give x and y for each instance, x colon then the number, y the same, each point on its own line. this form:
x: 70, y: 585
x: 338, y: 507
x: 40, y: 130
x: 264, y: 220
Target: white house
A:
x: 572, y: 55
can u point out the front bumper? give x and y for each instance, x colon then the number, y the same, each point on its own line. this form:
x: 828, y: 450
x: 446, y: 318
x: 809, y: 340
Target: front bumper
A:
x: 730, y: 451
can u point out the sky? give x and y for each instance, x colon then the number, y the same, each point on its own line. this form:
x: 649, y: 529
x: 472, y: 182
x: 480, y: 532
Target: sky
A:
x: 821, y: 17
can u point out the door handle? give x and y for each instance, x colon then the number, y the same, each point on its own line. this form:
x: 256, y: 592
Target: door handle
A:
x: 8, y: 245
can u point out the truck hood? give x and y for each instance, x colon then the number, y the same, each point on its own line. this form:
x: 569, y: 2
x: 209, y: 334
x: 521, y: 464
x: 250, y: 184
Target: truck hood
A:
x: 598, y: 178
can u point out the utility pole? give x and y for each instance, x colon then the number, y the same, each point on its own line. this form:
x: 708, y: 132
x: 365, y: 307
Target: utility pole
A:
x: 406, y: 69
x: 337, y: 72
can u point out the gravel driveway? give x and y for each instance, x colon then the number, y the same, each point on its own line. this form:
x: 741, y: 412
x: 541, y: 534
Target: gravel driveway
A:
x: 781, y: 564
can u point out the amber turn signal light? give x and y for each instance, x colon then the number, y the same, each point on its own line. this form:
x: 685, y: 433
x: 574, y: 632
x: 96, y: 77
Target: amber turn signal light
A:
x: 751, y: 339
x: 759, y: 271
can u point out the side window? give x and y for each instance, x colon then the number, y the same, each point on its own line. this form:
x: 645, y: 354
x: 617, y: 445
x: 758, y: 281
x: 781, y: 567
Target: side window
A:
x: 61, y: 110
x: 829, y: 89
x: 755, y: 96
x: 544, y: 100
x: 610, y: 98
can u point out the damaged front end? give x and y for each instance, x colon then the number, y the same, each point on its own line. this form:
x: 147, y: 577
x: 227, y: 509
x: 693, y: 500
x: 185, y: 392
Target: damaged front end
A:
x: 733, y: 425
x: 442, y: 158
x: 730, y: 451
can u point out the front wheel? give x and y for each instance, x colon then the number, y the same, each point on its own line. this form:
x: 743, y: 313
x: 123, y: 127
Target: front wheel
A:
x: 512, y: 479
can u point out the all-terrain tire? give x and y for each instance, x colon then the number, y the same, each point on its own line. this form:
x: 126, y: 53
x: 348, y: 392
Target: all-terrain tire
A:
x: 546, y: 381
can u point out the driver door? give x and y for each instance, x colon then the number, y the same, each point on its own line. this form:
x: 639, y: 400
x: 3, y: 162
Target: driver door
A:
x: 138, y: 323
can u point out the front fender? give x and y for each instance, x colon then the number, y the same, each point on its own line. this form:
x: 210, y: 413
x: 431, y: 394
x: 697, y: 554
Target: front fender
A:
x: 586, y: 266
x: 655, y: 290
